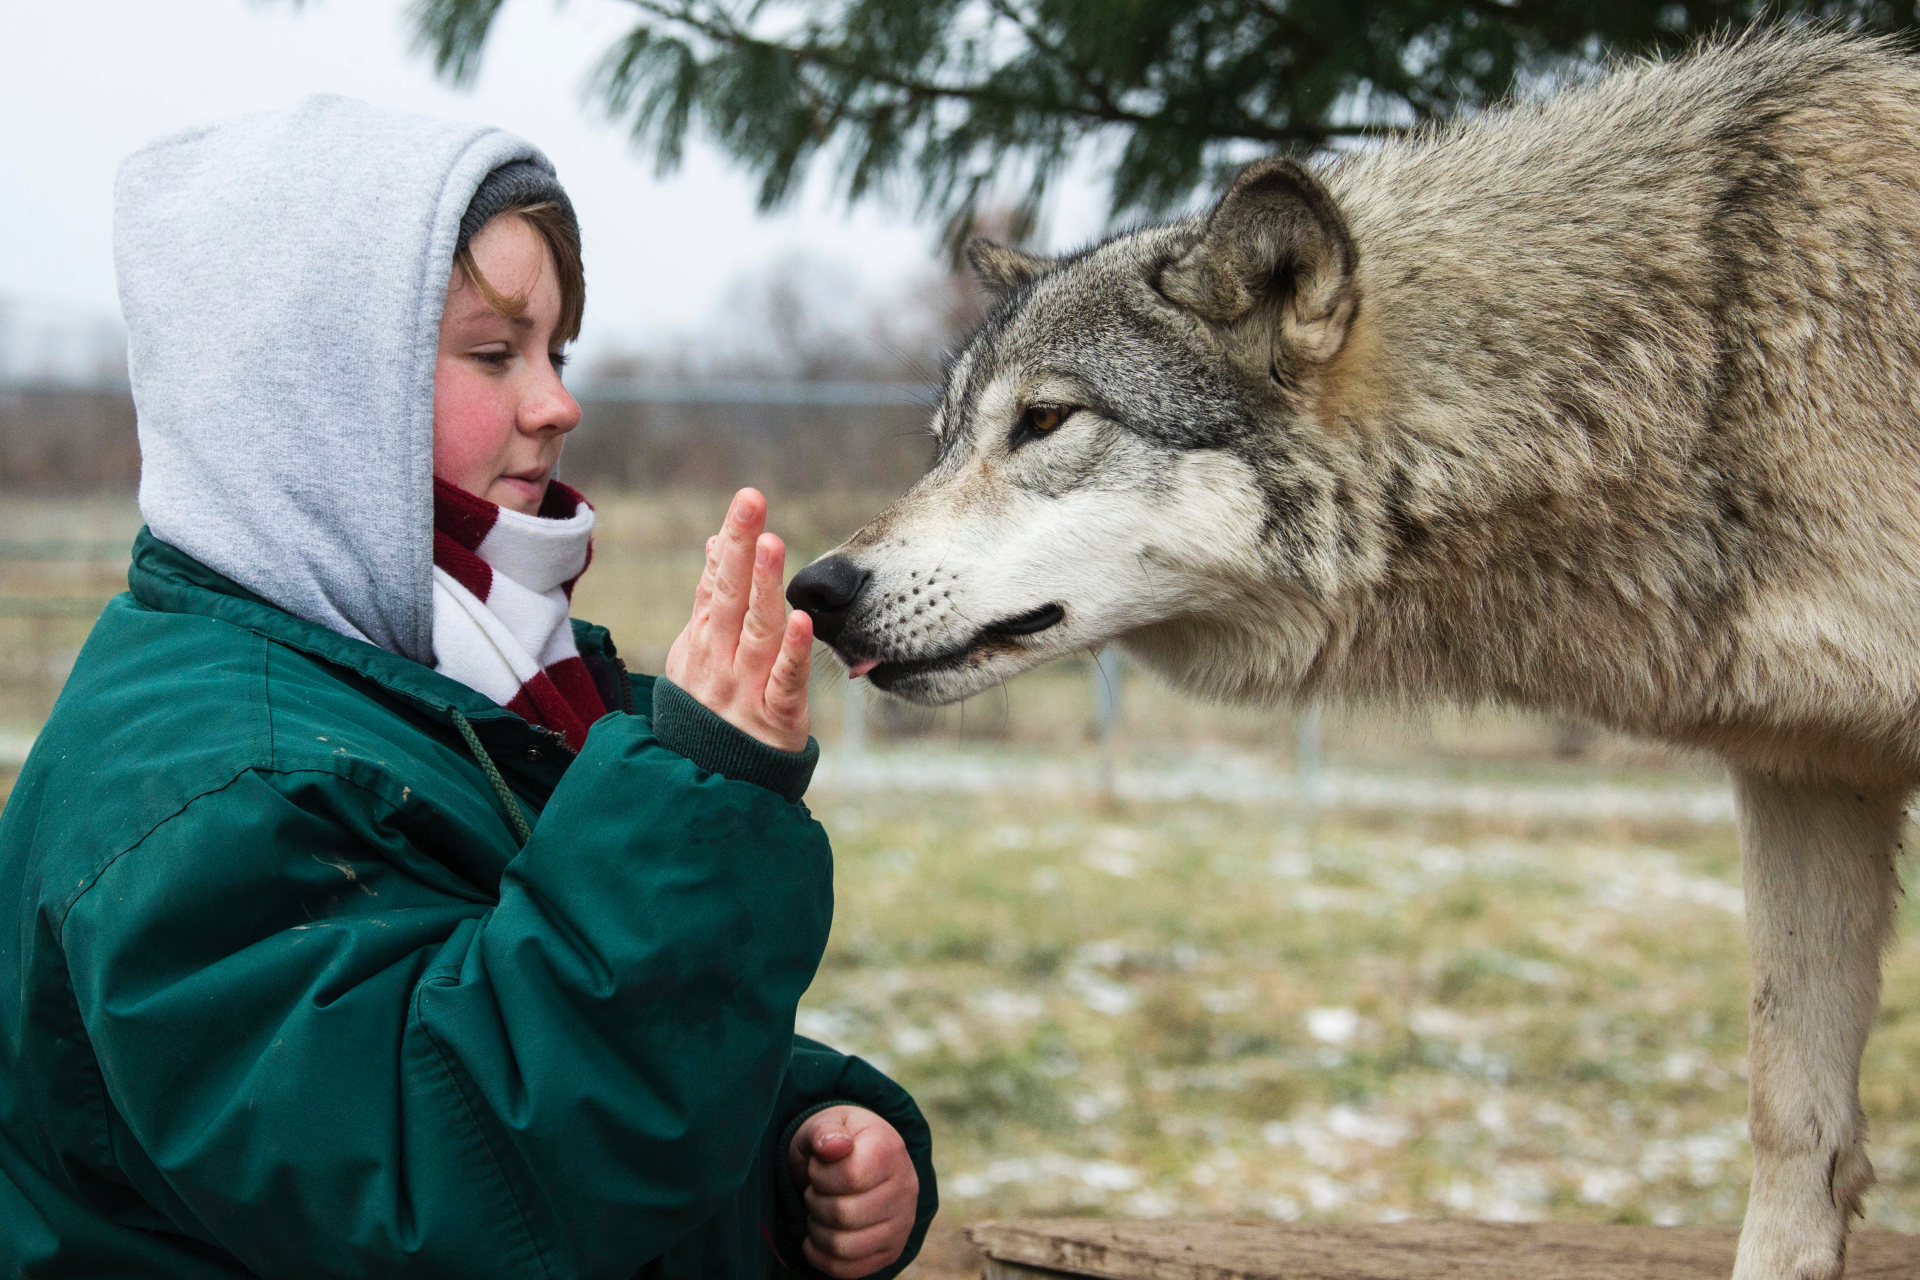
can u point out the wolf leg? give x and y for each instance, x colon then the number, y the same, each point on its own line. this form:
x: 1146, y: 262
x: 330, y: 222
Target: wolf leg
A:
x: 1820, y: 881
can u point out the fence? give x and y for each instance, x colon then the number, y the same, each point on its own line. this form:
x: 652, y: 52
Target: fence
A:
x: 68, y: 442
x: 51, y: 590
x: 790, y: 438
x: 785, y: 437
x: 64, y: 439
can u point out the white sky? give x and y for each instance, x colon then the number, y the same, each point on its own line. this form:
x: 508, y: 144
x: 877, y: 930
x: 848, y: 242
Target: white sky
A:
x: 84, y: 83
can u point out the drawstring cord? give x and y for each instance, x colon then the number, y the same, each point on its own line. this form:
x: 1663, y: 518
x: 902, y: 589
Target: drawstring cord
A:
x: 516, y: 816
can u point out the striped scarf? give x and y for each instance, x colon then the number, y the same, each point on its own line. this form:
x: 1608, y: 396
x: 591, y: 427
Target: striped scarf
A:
x: 502, y: 584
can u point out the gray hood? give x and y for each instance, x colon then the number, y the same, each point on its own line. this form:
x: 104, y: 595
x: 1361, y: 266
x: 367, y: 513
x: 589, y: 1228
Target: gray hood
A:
x: 283, y: 277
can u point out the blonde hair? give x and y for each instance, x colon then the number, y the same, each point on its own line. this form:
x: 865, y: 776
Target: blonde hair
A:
x: 563, y: 242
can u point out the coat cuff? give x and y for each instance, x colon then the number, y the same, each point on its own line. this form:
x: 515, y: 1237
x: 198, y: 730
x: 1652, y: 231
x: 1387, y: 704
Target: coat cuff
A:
x: 685, y: 725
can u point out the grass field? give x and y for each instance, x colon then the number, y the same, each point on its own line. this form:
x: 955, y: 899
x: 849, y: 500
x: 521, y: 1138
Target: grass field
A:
x: 1502, y: 975
x: 1190, y: 1009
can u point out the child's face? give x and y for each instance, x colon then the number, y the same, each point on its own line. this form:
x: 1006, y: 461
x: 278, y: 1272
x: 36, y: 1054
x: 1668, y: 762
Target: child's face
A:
x: 500, y: 414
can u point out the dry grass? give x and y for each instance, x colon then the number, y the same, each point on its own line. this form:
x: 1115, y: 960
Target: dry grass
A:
x: 1187, y: 1010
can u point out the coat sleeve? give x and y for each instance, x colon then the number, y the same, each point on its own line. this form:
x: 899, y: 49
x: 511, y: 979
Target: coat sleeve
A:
x: 329, y: 1064
x: 820, y: 1077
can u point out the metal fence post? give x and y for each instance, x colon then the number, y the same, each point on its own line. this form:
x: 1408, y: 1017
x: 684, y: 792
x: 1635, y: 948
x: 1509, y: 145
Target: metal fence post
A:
x: 1106, y: 710
x: 853, y: 717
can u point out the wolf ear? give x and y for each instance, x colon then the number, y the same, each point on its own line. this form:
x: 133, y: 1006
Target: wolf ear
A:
x: 1003, y: 269
x: 1276, y: 237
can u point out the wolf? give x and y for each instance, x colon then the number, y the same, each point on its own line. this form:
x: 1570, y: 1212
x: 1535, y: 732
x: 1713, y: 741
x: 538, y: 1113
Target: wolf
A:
x: 1605, y: 405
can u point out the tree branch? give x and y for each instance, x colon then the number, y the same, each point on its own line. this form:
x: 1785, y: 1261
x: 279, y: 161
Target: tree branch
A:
x: 1101, y: 112
x: 1082, y: 75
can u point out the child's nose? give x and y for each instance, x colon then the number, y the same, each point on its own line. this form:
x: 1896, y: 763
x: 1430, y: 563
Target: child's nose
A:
x: 552, y: 407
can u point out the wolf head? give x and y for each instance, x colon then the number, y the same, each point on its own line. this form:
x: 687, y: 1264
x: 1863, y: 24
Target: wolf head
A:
x: 1131, y: 448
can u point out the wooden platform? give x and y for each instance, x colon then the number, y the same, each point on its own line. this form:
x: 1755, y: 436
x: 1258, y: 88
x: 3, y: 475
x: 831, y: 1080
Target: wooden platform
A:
x: 1162, y: 1250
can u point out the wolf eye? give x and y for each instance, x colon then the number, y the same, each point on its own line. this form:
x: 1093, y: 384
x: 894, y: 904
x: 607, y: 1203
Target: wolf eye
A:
x: 1039, y: 419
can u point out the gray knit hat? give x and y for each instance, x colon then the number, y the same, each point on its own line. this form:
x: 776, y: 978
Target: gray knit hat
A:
x: 517, y: 183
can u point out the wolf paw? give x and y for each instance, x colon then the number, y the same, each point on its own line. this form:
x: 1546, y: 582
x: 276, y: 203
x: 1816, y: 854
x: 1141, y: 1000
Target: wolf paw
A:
x: 1804, y: 1237
x: 1764, y: 1255
x: 1803, y: 1269
x: 1798, y: 1215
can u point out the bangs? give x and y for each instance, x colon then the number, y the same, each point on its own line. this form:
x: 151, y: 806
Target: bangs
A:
x: 563, y: 243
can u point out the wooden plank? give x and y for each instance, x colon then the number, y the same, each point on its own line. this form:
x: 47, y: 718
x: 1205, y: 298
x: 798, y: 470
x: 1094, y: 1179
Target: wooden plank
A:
x: 1165, y: 1250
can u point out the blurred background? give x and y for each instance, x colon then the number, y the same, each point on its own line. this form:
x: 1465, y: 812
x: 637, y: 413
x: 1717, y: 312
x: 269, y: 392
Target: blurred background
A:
x: 1135, y: 955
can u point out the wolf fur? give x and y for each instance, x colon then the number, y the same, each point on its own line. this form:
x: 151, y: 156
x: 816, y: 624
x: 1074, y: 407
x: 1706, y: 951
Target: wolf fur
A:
x: 1606, y: 406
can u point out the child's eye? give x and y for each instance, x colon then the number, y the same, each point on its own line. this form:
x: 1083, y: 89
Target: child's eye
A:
x: 558, y: 359
x: 493, y: 359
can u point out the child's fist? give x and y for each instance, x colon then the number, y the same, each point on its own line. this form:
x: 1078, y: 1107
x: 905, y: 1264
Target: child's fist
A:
x: 861, y: 1190
x: 742, y: 653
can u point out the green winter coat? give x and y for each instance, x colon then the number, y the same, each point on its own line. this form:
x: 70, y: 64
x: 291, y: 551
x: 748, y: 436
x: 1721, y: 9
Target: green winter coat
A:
x: 280, y: 994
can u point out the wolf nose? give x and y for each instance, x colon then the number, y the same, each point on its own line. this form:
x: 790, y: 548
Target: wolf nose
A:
x: 826, y: 589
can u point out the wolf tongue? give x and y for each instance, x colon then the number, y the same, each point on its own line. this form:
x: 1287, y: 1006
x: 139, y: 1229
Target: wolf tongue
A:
x: 857, y: 669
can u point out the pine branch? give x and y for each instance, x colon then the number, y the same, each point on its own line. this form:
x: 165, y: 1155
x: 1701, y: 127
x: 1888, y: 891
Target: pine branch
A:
x: 1098, y: 111
x: 901, y: 87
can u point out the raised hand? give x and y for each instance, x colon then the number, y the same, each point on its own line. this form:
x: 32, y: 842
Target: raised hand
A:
x: 742, y: 653
x: 861, y: 1190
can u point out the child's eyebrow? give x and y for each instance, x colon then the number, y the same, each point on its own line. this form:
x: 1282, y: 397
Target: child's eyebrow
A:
x: 484, y: 312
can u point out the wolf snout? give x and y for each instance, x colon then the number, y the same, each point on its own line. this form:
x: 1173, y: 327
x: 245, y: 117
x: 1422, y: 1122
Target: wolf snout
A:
x: 826, y: 590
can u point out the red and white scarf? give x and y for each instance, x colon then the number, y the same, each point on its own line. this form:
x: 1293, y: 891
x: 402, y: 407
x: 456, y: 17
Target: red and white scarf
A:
x: 502, y: 585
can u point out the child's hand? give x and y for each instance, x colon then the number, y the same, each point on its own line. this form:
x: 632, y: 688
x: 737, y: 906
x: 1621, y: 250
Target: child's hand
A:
x: 861, y: 1190
x: 742, y: 653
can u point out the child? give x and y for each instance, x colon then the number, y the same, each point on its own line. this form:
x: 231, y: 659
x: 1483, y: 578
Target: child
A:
x: 371, y: 920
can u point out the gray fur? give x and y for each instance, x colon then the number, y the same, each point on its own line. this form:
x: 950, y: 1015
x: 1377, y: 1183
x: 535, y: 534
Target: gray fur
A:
x: 1606, y: 406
